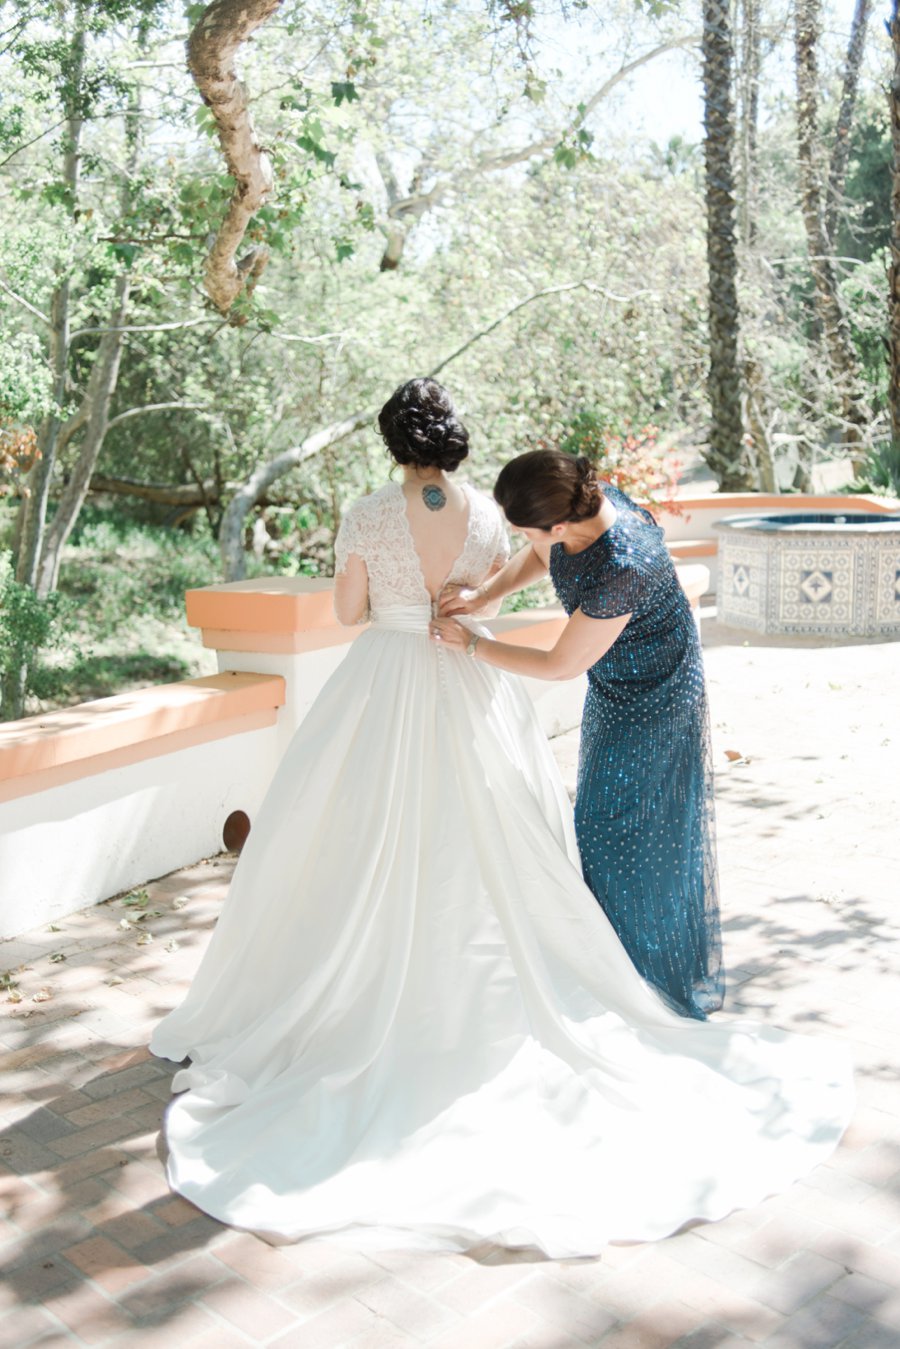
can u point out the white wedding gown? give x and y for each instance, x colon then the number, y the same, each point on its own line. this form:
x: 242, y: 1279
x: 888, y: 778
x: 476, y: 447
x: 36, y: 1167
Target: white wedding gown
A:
x: 414, y: 1024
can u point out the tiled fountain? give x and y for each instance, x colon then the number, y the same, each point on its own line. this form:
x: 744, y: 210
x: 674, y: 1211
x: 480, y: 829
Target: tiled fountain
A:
x: 819, y: 574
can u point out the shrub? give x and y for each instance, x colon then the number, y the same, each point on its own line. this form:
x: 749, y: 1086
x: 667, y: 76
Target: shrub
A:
x: 630, y: 459
x: 29, y: 627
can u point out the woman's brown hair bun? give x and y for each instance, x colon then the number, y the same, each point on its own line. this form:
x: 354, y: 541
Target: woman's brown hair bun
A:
x: 586, y: 494
x: 544, y: 488
x: 419, y: 425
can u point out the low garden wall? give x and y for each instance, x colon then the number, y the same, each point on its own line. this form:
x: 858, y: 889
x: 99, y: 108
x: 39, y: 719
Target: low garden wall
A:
x: 99, y: 798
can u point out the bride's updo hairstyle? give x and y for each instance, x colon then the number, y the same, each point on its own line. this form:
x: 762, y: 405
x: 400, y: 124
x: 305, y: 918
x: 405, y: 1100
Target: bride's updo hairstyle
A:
x: 544, y: 488
x: 419, y: 425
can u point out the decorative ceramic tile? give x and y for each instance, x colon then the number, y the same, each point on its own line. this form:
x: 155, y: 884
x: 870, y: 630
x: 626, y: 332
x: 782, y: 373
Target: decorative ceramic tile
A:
x: 742, y: 584
x: 887, y: 585
x: 810, y: 581
x: 814, y: 585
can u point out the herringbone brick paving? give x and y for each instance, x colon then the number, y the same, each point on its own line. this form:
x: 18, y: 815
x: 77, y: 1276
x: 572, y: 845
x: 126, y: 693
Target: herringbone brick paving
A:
x: 96, y: 1251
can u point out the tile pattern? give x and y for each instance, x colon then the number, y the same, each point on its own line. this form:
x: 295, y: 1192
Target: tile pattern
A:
x: 811, y: 584
x: 96, y: 1251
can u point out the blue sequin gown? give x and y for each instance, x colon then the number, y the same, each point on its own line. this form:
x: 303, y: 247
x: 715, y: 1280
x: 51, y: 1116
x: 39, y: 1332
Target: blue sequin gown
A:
x: 644, y: 806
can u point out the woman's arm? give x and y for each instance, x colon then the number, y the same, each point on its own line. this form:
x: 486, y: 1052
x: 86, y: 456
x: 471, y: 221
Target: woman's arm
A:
x: 580, y: 645
x: 528, y: 566
x: 351, y: 592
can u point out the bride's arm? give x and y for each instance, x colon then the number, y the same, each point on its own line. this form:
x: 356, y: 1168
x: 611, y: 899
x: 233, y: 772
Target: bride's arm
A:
x: 351, y: 592
x: 530, y: 564
x: 582, y: 642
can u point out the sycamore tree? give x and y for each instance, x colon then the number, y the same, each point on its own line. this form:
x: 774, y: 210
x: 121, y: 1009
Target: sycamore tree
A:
x: 210, y: 277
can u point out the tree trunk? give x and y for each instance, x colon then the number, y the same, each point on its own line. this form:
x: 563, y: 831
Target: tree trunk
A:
x: 251, y: 492
x: 725, y: 454
x: 162, y: 493
x: 221, y: 30
x: 894, y: 265
x: 32, y: 519
x: 749, y: 85
x: 37, y: 490
x: 829, y: 308
x: 757, y: 424
x: 404, y: 213
x: 840, y: 150
x: 97, y: 398
x: 94, y: 409
x: 231, y: 535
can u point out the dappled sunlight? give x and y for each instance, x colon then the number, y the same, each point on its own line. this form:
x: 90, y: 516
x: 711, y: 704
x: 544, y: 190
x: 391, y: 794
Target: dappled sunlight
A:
x: 93, y: 1233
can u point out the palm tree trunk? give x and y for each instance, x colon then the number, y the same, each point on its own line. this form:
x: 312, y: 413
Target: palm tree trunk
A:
x: 751, y: 43
x: 894, y: 265
x: 840, y: 150
x: 725, y: 454
x: 829, y: 307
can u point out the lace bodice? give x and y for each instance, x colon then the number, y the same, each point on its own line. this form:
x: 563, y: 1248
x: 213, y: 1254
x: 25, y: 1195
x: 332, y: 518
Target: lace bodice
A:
x: 376, y: 528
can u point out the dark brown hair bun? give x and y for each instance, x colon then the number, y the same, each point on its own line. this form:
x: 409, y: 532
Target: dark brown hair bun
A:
x: 544, y: 488
x: 419, y: 425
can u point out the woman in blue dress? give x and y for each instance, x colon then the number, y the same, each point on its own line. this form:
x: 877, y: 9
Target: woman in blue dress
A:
x: 644, y: 804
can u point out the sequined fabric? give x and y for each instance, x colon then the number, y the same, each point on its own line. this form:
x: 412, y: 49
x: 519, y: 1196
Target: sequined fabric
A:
x: 644, y: 806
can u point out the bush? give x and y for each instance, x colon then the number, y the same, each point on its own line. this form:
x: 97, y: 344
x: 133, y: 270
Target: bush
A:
x: 880, y: 470
x: 30, y: 626
x: 629, y: 459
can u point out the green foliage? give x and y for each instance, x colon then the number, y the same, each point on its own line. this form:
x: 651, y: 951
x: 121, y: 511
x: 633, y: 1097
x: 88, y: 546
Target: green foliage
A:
x: 863, y: 293
x: 628, y: 458
x: 880, y: 470
x: 24, y: 377
x: 29, y: 629
x: 343, y: 90
x: 864, y: 227
x: 362, y: 108
x: 118, y: 620
x: 120, y: 567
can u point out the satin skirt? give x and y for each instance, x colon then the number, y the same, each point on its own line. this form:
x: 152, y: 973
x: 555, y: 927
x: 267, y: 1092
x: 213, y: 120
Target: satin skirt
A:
x: 414, y: 1026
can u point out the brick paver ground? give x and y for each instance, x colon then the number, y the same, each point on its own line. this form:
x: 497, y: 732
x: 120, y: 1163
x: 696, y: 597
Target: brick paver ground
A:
x: 96, y: 1250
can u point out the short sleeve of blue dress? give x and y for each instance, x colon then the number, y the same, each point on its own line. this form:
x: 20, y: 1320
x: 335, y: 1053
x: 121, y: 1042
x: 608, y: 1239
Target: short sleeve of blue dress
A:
x: 618, y: 589
x: 644, y: 808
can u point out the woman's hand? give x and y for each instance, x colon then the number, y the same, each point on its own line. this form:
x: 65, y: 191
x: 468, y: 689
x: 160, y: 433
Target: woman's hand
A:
x: 460, y: 600
x: 449, y: 633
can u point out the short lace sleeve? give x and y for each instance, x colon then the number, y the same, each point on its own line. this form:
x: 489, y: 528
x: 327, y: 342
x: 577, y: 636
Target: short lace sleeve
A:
x: 502, y: 549
x: 615, y: 590
x: 348, y: 540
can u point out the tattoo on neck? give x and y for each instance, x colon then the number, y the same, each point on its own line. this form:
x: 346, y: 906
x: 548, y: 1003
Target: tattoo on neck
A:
x: 435, y: 497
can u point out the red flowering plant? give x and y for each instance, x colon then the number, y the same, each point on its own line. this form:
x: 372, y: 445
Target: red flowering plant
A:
x: 627, y: 457
x: 18, y: 449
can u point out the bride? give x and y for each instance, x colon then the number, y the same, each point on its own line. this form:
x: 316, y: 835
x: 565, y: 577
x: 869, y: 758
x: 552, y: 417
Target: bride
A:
x: 413, y: 1024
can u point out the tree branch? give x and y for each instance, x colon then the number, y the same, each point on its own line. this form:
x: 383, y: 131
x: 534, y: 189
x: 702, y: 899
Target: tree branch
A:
x: 212, y: 46
x: 148, y: 328
x: 840, y: 150
x: 34, y: 140
x: 251, y: 491
x: 415, y: 205
x: 529, y: 299
x: 510, y: 157
x: 164, y: 494
x: 24, y: 303
x: 155, y: 407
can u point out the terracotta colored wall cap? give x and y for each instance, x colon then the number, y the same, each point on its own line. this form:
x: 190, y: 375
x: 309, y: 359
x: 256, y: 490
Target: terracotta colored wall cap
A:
x: 268, y: 604
x: 791, y: 501
x: 55, y: 738
x: 525, y: 619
